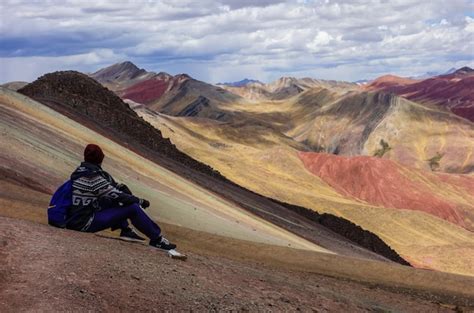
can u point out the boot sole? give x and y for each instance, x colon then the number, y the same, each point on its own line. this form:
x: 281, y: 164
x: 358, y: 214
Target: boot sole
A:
x: 131, y: 239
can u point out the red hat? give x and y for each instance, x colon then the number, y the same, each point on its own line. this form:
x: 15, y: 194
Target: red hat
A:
x: 93, y: 154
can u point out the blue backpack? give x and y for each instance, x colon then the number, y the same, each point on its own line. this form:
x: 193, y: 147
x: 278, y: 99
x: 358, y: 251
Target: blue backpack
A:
x: 59, y: 205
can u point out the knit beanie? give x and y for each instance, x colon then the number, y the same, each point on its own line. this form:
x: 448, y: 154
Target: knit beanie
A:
x: 93, y: 154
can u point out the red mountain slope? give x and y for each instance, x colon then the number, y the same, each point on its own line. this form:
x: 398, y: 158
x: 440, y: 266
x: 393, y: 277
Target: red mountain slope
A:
x: 389, y: 81
x: 152, y: 89
x: 386, y: 183
x: 453, y: 91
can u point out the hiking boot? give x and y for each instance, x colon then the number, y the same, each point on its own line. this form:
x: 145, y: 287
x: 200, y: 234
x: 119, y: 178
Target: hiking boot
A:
x: 130, y: 235
x: 162, y: 243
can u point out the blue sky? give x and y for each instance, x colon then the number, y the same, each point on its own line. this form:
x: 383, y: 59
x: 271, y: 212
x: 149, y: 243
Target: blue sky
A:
x: 229, y: 40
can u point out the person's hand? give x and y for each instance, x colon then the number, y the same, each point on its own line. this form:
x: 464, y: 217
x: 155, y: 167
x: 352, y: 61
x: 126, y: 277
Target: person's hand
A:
x: 144, y: 203
x: 124, y: 188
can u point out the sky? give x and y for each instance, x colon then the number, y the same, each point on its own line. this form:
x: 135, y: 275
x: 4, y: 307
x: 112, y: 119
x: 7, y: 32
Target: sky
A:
x: 228, y: 40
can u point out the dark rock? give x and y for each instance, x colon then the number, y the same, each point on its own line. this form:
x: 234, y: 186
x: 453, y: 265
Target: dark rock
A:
x: 72, y: 92
x: 349, y: 230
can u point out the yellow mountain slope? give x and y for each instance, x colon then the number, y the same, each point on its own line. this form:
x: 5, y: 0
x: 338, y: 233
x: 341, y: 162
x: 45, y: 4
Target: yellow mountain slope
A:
x: 265, y: 163
x: 40, y: 148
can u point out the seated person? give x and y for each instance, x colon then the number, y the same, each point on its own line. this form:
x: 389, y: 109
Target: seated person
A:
x: 98, y: 203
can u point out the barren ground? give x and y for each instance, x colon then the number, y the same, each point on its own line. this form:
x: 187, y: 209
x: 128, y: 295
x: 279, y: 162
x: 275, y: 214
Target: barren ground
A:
x: 47, y: 269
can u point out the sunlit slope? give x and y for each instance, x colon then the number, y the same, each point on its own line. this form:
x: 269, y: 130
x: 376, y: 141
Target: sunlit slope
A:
x: 387, y: 183
x: 42, y: 147
x: 417, y: 133
x: 325, y: 116
x: 354, y: 123
x: 245, y: 158
x: 266, y: 165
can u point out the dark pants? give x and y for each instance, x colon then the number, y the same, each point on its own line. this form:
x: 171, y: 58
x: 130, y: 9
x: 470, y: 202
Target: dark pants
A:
x: 122, y: 225
x: 110, y: 218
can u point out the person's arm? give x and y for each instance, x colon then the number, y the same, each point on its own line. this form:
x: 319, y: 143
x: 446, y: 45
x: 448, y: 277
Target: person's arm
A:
x: 110, y: 196
x: 118, y: 194
x: 122, y: 187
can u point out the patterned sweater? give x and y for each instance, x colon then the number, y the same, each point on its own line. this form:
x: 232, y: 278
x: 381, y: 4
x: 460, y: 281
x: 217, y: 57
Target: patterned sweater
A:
x: 93, y: 190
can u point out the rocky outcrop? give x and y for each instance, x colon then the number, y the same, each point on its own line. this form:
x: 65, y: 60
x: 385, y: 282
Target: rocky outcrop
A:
x: 360, y: 236
x: 80, y: 96
x: 349, y: 230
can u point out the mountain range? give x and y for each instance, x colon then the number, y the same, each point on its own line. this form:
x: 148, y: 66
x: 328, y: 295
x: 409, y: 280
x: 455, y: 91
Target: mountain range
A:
x: 434, y: 73
x: 379, y: 174
x: 365, y: 150
x: 241, y: 83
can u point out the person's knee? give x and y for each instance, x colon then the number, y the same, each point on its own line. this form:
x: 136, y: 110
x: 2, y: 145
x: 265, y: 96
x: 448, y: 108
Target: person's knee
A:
x: 133, y: 208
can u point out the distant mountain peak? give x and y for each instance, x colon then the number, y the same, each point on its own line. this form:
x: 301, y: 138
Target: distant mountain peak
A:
x: 450, y: 71
x: 393, y: 79
x: 164, y: 74
x: 362, y: 81
x: 123, y: 66
x: 118, y: 72
x: 389, y: 76
x: 183, y: 75
x: 431, y: 74
x: 286, y: 78
x: 464, y: 70
x: 127, y: 63
x: 242, y: 83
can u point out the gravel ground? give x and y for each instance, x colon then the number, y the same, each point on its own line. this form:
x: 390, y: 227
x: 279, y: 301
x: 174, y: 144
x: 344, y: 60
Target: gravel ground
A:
x: 47, y: 269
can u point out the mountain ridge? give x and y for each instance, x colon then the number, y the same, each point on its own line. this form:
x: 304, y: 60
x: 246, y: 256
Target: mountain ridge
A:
x: 452, y: 91
x: 257, y: 147
x: 53, y: 90
x: 240, y: 83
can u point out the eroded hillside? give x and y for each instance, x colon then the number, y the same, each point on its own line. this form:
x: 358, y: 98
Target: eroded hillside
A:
x: 265, y: 163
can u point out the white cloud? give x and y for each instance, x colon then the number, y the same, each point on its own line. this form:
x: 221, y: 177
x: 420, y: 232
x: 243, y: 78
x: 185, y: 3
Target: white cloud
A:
x: 322, y: 38
x: 353, y: 39
x: 469, y: 25
x: 30, y: 68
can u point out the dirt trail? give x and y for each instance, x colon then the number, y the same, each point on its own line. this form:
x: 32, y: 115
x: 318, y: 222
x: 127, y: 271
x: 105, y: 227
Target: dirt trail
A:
x: 47, y: 269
